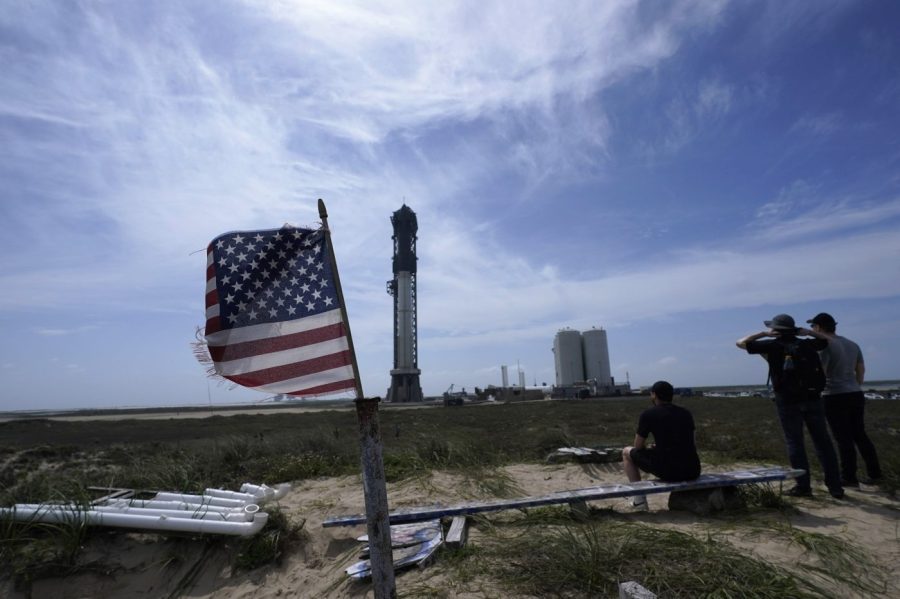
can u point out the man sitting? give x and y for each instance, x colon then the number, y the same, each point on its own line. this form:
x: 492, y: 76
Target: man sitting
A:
x: 673, y: 457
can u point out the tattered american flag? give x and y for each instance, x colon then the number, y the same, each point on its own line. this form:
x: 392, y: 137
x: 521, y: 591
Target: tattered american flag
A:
x: 273, y: 322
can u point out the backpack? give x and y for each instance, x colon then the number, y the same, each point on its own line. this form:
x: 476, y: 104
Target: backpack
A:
x: 802, y: 376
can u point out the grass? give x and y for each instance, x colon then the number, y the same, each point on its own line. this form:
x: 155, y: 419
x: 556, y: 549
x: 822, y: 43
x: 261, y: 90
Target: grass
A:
x: 43, y: 460
x: 590, y: 560
x: 278, y: 536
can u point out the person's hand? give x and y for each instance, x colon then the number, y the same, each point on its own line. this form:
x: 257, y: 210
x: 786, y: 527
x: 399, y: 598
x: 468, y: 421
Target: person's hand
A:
x: 804, y: 332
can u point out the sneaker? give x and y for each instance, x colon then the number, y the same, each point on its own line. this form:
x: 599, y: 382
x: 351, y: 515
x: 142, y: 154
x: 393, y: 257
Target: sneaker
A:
x: 837, y: 493
x: 870, y: 480
x: 799, y: 492
x: 850, y: 484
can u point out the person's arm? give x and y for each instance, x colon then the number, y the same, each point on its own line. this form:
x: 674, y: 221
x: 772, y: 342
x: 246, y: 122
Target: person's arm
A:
x: 639, y: 442
x: 860, y: 371
x: 743, y: 341
x: 801, y: 332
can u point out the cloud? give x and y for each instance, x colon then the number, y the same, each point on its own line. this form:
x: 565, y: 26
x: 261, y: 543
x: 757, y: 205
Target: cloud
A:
x: 822, y: 125
x: 782, y: 222
x: 62, y: 332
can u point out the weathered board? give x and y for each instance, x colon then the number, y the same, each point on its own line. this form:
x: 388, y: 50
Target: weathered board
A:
x: 405, y: 535
x: 403, y: 557
x: 607, y: 491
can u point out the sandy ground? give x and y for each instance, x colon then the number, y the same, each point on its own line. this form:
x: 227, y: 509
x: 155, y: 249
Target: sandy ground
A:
x: 146, y: 565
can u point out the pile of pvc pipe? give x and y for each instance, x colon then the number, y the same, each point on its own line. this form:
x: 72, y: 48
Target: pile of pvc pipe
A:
x: 217, y: 511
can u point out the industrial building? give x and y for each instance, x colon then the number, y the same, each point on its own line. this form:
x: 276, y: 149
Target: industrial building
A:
x: 582, y: 364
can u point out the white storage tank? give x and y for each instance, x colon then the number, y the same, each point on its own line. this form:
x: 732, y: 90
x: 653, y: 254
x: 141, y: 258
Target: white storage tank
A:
x: 596, y: 357
x: 568, y: 356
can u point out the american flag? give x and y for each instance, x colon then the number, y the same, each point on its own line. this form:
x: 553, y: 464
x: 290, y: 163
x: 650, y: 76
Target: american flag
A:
x: 273, y: 321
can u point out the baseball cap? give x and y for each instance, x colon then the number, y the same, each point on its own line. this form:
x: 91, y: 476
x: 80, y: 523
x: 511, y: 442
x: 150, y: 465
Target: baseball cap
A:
x: 822, y: 319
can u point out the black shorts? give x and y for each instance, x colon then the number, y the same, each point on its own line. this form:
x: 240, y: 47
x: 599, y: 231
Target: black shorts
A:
x: 663, y: 467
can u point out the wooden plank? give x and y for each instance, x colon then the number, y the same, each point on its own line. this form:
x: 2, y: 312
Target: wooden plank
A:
x: 607, y: 491
x: 459, y: 531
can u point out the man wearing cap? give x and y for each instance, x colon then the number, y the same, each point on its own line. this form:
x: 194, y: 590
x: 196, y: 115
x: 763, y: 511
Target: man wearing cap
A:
x: 845, y: 370
x: 673, y: 457
x: 795, y: 410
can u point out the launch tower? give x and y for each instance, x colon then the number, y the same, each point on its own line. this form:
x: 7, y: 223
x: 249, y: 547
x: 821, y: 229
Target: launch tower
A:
x: 405, y: 385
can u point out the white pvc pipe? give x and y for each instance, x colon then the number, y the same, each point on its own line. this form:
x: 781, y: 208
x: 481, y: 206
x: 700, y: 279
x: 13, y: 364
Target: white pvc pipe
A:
x: 276, y: 493
x: 241, y: 516
x: 222, y: 493
x: 200, y: 499
x: 64, y: 514
x: 173, y: 505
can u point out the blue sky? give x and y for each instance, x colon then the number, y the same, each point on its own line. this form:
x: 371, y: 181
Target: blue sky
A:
x: 675, y: 172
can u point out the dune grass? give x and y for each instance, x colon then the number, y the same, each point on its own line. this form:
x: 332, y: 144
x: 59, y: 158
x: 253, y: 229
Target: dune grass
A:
x: 43, y: 460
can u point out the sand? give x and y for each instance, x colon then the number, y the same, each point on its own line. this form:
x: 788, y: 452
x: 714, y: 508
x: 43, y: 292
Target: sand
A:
x: 130, y: 565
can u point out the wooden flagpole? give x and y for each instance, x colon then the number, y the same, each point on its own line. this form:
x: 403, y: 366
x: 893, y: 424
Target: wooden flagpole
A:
x: 374, y: 485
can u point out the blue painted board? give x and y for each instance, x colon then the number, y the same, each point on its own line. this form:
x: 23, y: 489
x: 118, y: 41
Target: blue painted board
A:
x: 606, y: 491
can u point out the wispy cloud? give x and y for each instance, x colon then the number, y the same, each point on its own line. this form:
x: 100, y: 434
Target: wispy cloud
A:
x: 822, y: 124
x: 62, y: 332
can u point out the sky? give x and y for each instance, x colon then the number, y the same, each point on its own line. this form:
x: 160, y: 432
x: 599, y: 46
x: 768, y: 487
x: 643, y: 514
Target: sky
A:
x: 674, y: 172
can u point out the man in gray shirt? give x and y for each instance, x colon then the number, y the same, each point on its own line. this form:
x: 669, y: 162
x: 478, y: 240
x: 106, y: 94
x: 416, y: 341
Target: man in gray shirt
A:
x: 845, y: 370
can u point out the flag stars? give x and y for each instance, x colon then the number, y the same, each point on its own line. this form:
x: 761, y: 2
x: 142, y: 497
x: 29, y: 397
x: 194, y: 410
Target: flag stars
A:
x: 230, y: 250
x: 233, y: 267
x: 220, y: 244
x: 317, y: 294
x: 291, y: 310
x: 310, y: 306
x: 238, y: 239
x: 319, y: 266
x: 252, y: 315
x: 269, y: 293
x: 241, y: 257
x: 328, y: 300
x: 229, y: 298
x: 258, y: 238
x: 273, y: 313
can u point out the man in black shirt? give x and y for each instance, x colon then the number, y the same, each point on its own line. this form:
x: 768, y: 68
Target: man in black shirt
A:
x: 673, y: 457
x: 797, y: 408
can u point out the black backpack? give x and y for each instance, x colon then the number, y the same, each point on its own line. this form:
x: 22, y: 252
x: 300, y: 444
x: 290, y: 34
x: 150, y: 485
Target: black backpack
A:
x: 802, y: 376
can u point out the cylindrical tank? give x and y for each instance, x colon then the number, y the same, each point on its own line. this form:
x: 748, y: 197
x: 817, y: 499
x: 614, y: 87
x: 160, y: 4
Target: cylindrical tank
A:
x: 596, y: 357
x: 568, y: 356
